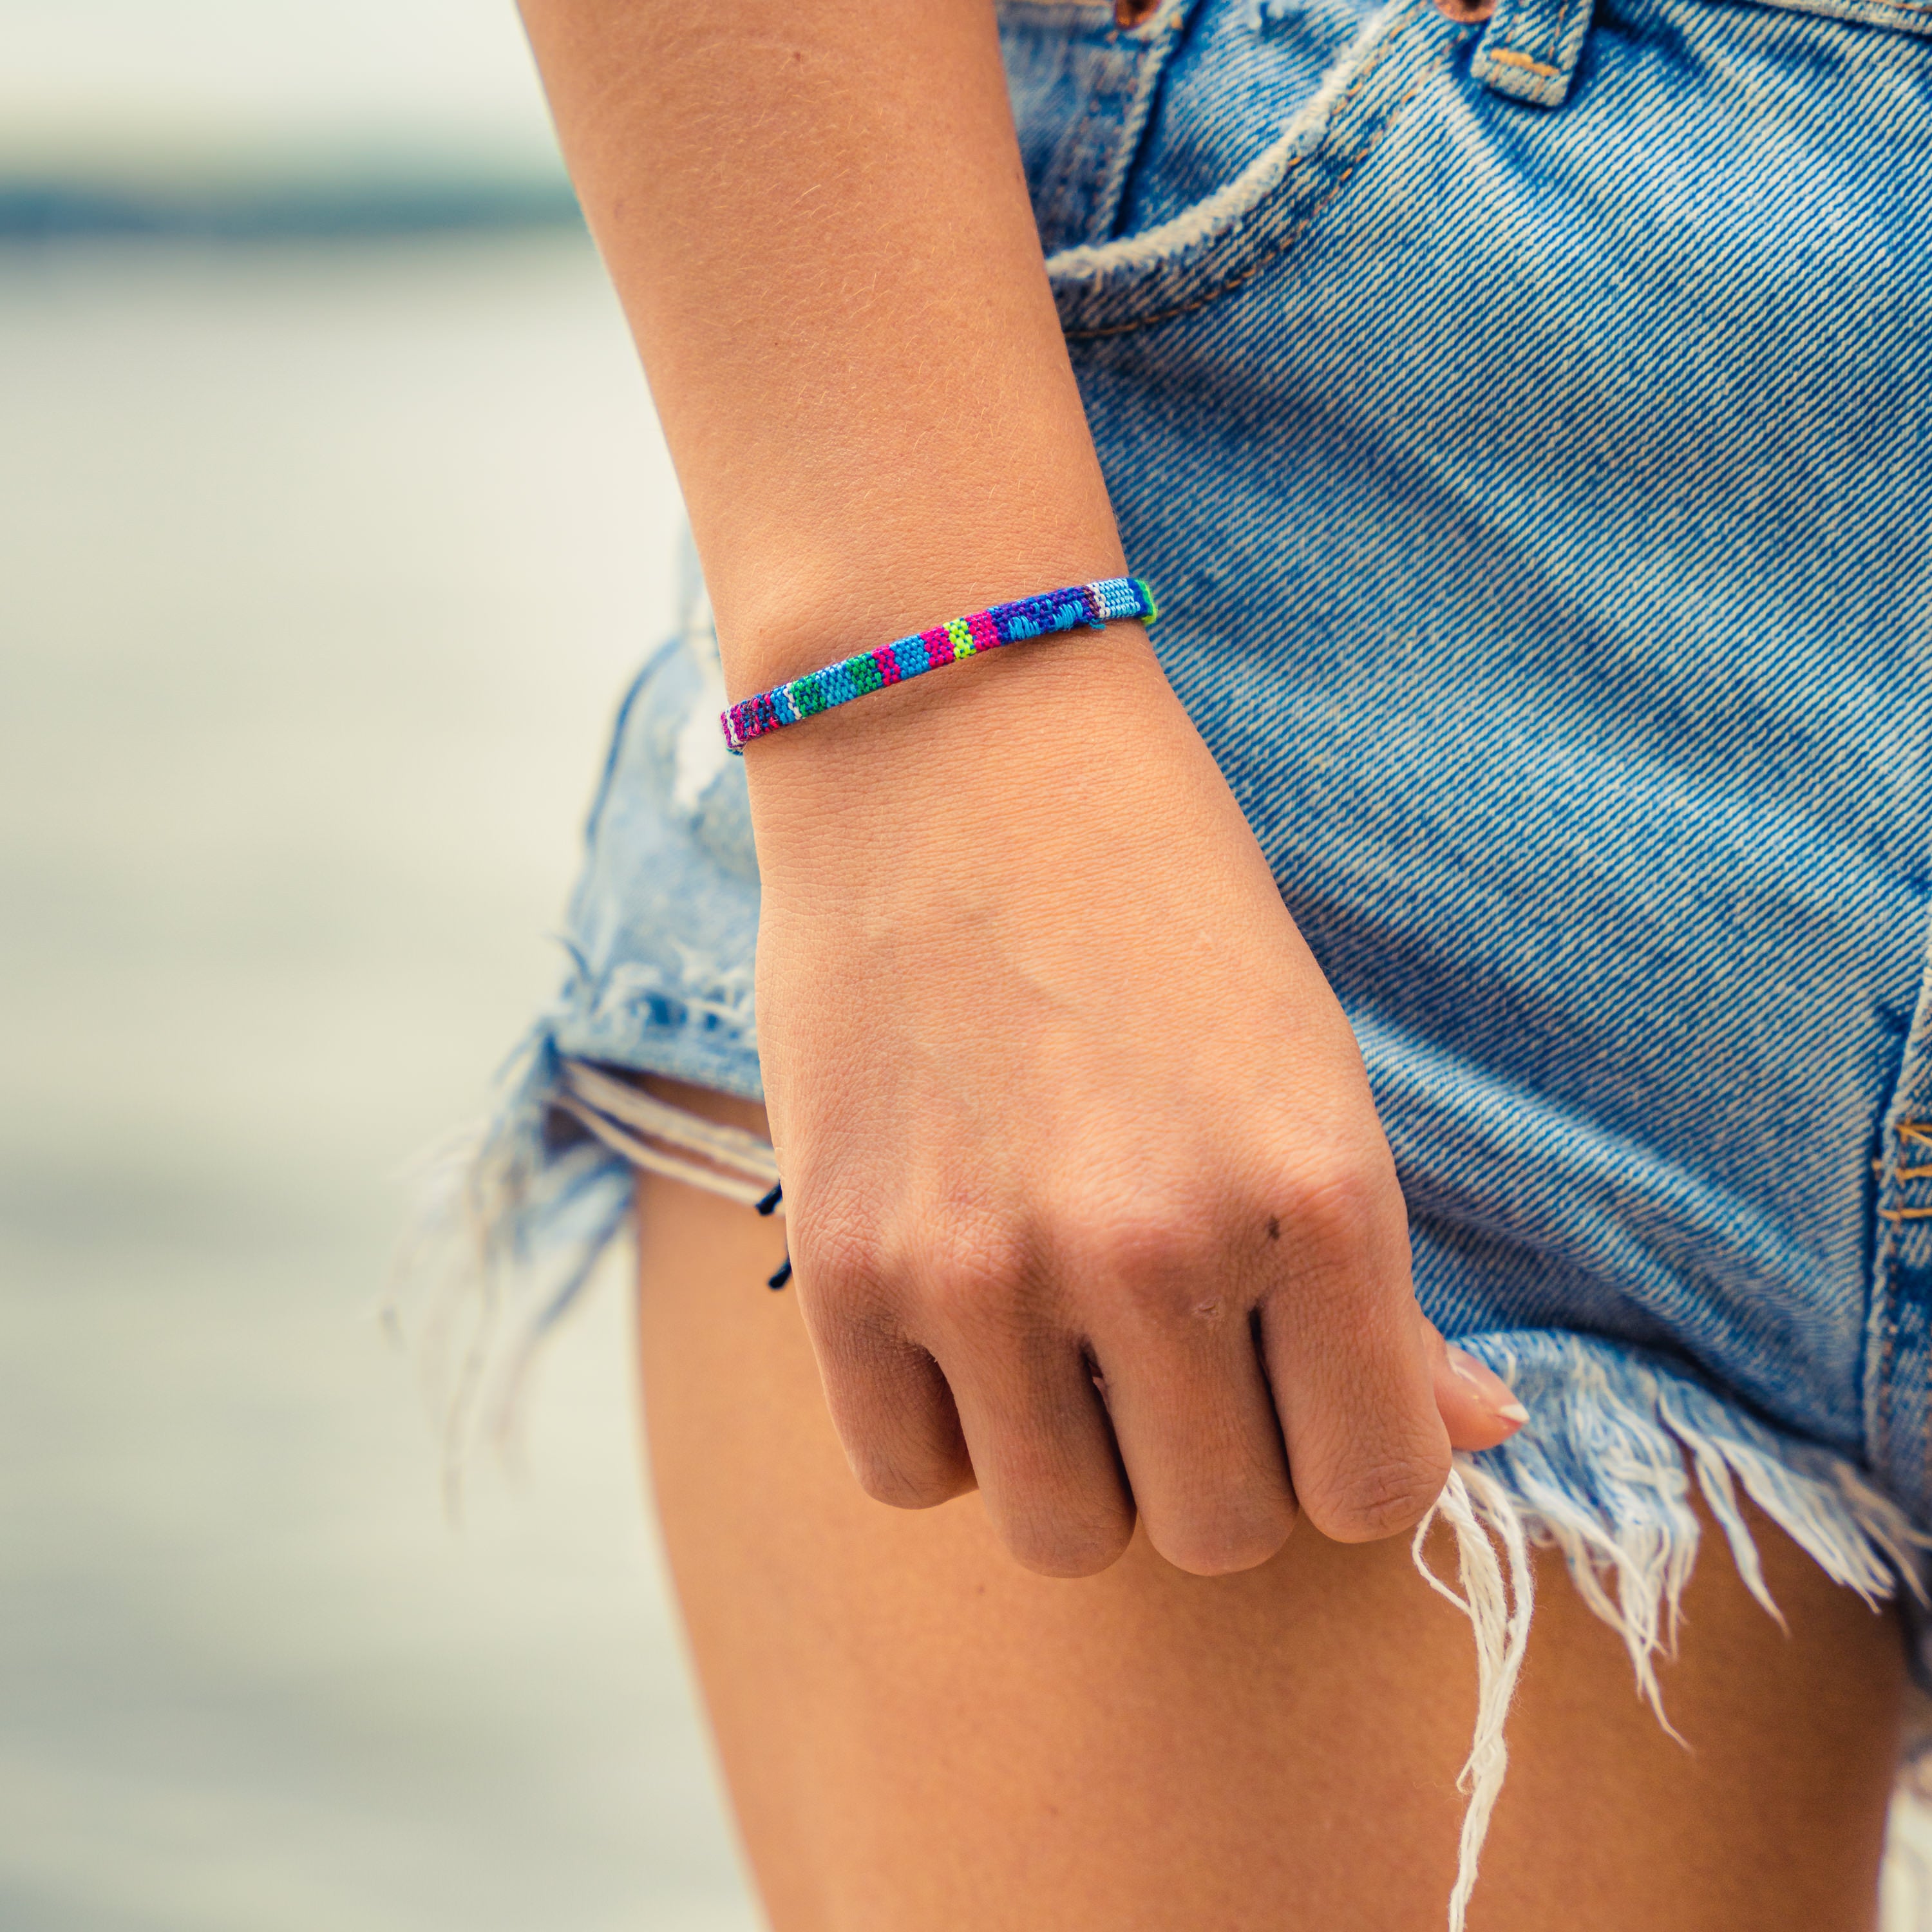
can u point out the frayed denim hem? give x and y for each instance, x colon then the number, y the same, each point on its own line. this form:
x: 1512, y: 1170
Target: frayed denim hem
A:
x: 514, y: 1216
x: 1604, y: 1470
x: 505, y: 1231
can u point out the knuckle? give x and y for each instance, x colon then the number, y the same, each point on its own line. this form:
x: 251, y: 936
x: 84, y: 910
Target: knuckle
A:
x: 1154, y: 1258
x: 856, y: 1321
x: 1381, y: 1498
x: 840, y: 1251
x: 1057, y: 1512
x: 1335, y: 1205
x: 1067, y: 1542
x: 1156, y: 1247
x: 1220, y: 1545
x: 902, y: 1483
x: 969, y: 1275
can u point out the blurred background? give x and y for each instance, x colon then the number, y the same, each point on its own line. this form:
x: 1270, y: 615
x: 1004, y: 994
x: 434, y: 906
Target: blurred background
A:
x: 332, y: 518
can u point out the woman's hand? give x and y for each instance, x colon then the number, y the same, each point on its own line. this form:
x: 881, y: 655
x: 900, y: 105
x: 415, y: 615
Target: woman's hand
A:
x: 1077, y: 1146
x: 1088, y: 1199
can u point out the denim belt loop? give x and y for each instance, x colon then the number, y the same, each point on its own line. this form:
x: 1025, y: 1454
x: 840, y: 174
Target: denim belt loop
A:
x: 1531, y: 50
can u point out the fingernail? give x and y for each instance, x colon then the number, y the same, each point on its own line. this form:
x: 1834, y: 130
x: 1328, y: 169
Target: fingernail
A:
x: 1497, y: 1397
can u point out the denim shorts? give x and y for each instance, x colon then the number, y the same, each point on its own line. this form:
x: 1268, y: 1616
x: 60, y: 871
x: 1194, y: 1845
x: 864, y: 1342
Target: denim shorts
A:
x: 1527, y: 426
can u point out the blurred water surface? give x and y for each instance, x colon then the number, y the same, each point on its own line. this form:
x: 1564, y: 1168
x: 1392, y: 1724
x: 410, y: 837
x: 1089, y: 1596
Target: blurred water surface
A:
x: 323, y: 568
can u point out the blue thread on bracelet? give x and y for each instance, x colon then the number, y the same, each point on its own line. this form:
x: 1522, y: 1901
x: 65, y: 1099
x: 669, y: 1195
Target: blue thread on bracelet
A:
x: 1096, y: 604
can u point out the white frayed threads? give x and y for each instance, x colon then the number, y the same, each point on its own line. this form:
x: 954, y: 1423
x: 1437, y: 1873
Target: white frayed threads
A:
x: 728, y: 1161
x: 1600, y: 1474
x: 505, y: 1237
x: 1611, y: 1491
x: 1474, y: 1508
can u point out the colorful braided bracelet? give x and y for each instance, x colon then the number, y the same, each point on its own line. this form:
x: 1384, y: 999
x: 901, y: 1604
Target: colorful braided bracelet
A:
x: 1098, y: 604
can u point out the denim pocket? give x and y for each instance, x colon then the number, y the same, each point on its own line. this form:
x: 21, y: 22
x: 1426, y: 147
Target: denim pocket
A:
x: 1222, y: 241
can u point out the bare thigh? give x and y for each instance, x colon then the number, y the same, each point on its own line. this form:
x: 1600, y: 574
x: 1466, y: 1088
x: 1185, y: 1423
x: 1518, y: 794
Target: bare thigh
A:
x: 916, y: 1733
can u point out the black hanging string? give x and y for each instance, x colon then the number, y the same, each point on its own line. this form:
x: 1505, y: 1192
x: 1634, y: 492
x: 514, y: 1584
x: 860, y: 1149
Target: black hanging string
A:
x: 765, y: 1206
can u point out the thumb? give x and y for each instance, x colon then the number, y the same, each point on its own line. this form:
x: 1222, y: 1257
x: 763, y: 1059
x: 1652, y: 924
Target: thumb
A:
x: 1474, y: 1402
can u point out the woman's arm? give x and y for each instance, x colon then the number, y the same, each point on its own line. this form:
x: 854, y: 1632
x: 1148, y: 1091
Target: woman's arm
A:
x: 815, y: 214
x: 1088, y: 1199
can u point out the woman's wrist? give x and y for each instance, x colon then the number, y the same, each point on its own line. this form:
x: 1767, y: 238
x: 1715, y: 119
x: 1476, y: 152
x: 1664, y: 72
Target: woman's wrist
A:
x: 983, y: 758
x: 783, y: 618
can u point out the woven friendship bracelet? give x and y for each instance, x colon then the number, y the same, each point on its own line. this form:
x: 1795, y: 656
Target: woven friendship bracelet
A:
x: 1098, y: 604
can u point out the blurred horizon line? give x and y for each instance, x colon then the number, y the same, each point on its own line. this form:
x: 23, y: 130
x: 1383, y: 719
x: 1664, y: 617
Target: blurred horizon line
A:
x: 52, y: 208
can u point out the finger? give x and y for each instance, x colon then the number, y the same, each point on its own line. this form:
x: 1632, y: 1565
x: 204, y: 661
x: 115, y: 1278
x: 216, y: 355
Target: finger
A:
x: 889, y: 1402
x: 1478, y: 1407
x: 1041, y: 1449
x: 1196, y: 1423
x: 1348, y: 1357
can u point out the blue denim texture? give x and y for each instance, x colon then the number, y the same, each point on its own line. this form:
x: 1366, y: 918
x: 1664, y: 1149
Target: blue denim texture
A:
x: 1527, y: 427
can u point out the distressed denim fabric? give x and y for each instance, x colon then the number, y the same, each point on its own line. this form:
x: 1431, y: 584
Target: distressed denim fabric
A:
x: 1527, y: 425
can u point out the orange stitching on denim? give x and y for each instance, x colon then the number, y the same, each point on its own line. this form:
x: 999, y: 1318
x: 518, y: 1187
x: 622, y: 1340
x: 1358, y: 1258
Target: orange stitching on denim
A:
x: 1556, y: 40
x: 1300, y: 228
x: 1884, y: 1281
x: 1920, y: 1134
x: 1509, y: 57
x: 1381, y: 53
